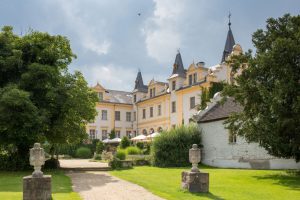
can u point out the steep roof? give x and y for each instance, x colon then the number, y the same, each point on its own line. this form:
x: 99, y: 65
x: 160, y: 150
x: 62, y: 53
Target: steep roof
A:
x: 228, y: 44
x: 178, y: 66
x: 116, y: 96
x: 139, y: 84
x: 221, y: 111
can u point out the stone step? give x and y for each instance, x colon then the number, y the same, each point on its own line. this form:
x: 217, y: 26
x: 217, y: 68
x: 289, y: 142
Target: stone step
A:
x: 85, y: 168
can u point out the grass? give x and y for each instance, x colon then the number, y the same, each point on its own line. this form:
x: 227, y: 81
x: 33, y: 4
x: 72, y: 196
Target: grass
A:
x: 224, y: 183
x: 11, y: 185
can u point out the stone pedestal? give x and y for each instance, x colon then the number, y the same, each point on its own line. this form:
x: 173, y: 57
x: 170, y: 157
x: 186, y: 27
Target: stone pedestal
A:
x: 37, y: 188
x: 195, y: 181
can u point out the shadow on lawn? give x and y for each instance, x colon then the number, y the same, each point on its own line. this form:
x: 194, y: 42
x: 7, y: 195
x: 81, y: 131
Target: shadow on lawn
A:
x: 291, y: 180
x: 208, y: 195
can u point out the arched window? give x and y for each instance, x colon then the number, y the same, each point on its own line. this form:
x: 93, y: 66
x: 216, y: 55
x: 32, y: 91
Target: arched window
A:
x: 159, y: 129
x: 144, y: 132
x: 151, y: 130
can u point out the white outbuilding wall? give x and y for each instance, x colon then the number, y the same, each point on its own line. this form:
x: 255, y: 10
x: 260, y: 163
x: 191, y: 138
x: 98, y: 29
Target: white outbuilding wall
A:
x: 218, y: 152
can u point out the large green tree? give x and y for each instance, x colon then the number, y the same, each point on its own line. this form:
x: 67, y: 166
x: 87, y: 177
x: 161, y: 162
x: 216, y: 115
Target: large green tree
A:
x: 39, y: 99
x: 269, y: 89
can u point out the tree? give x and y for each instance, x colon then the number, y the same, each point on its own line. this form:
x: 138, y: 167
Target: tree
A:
x: 40, y: 99
x: 125, y: 142
x: 269, y: 89
x: 112, y: 134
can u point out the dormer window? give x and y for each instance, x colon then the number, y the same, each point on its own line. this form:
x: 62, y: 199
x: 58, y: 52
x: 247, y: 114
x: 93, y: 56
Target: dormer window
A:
x: 100, y: 96
x: 173, y: 85
x: 190, y: 79
x: 195, y: 78
x: 134, y: 98
x: 153, y: 92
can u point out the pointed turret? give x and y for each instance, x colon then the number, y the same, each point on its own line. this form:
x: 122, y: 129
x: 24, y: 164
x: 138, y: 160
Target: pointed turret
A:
x: 229, y: 42
x: 178, y: 66
x: 139, y: 84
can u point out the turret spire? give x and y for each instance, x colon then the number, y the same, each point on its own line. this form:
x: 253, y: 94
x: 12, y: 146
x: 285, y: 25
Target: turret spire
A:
x: 139, y: 84
x: 178, y: 65
x: 229, y: 41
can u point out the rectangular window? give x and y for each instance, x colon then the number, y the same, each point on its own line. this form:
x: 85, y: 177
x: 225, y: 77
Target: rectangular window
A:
x: 192, y: 102
x: 173, y: 106
x: 128, y: 116
x: 134, y: 116
x: 151, y: 111
x: 104, y: 134
x: 100, y: 96
x: 92, y: 134
x: 173, y: 85
x: 191, y: 79
x: 134, y: 98
x: 153, y: 92
x: 231, y: 138
x: 117, y: 115
x: 195, y: 78
x: 159, y: 110
x: 150, y: 93
x: 118, y: 134
x: 144, y: 113
x: 104, y: 114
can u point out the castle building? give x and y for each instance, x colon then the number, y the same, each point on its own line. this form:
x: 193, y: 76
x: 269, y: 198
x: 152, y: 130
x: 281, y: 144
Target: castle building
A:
x: 159, y: 105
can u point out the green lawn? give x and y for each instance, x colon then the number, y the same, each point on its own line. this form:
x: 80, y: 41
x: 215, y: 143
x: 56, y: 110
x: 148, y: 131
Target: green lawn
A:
x: 233, y: 184
x: 11, y: 186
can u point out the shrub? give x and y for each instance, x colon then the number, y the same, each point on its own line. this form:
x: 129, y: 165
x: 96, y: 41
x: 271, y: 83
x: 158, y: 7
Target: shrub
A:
x: 115, y: 163
x: 97, y: 156
x: 125, y: 142
x: 121, y: 154
x: 171, y: 149
x: 52, y: 163
x: 140, y: 145
x: 133, y: 151
x: 83, y: 152
x: 99, y: 147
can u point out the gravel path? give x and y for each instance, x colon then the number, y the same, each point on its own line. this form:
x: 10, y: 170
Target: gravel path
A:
x: 103, y: 186
x: 81, y: 163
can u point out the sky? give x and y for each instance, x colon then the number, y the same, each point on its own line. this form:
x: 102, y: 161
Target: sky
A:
x: 112, y: 42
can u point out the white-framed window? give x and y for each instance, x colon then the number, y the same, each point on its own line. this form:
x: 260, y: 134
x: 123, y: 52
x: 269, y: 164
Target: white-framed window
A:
x: 128, y: 116
x: 100, y: 96
x: 144, y: 113
x: 173, y: 106
x: 117, y: 115
x: 190, y: 79
x: 92, y: 134
x: 195, y: 78
x: 159, y: 110
x: 134, y: 116
x: 118, y: 134
x: 173, y: 85
x: 104, y: 134
x: 192, y: 102
x: 104, y: 114
x: 128, y: 134
x: 231, y: 137
x: 151, y: 111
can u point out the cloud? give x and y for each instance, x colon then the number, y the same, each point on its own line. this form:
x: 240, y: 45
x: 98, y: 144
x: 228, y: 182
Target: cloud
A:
x: 162, y: 34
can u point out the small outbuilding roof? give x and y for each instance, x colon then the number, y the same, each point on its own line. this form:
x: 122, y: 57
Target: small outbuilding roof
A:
x: 221, y: 111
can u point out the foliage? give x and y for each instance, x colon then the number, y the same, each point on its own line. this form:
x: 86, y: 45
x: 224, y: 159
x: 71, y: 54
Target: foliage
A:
x: 268, y: 88
x: 172, y: 147
x: 52, y: 163
x: 99, y: 147
x: 223, y: 183
x: 115, y: 163
x: 140, y: 145
x: 133, y: 150
x: 121, y: 154
x: 97, y: 156
x: 39, y: 99
x: 125, y: 142
x: 112, y: 134
x: 207, y: 94
x: 83, y: 152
